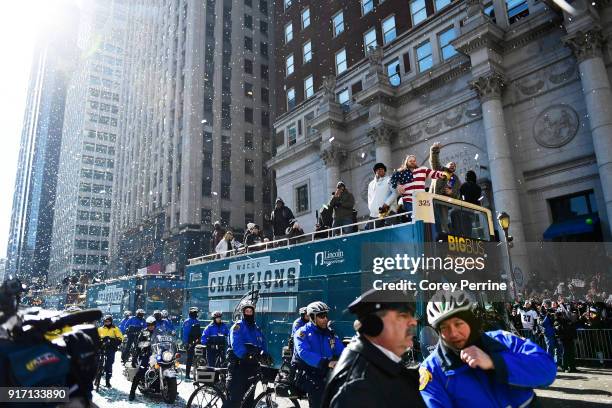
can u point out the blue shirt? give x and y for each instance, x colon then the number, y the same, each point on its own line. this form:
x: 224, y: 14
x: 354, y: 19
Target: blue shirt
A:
x: 188, y: 325
x: 243, y: 333
x: 122, y: 324
x: 313, y: 345
x: 137, y: 322
x: 214, y: 330
x: 520, y: 366
x: 164, y: 325
x: 297, y: 324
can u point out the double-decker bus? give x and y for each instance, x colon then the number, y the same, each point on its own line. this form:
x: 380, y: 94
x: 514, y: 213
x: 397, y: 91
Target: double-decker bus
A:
x: 334, y: 268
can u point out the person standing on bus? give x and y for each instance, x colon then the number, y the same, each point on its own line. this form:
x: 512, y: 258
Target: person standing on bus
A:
x: 215, y: 334
x: 381, y: 198
x: 449, y: 185
x: 111, y: 338
x: 132, y: 327
x: 342, y: 202
x: 370, y: 372
x: 410, y: 179
x: 247, y: 348
x: 470, y: 191
x: 317, y: 349
x: 192, y: 334
x: 469, y: 368
x: 280, y: 218
x: 217, y: 235
x: 126, y: 316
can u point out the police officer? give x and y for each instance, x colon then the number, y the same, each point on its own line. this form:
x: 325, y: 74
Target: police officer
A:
x: 300, y: 321
x: 192, y: 334
x: 167, y: 323
x: 133, y: 327
x: 469, y: 368
x: 215, y: 337
x: 111, y: 338
x: 126, y: 316
x: 247, y: 347
x: 143, y: 347
x: 370, y: 372
x: 317, y: 348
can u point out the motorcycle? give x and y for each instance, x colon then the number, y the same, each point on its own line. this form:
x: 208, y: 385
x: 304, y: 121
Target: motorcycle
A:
x: 161, y: 375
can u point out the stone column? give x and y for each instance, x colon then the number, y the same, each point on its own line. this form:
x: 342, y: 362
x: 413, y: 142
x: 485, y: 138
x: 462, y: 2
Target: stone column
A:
x: 332, y: 157
x: 588, y: 46
x: 381, y: 136
x: 504, y: 184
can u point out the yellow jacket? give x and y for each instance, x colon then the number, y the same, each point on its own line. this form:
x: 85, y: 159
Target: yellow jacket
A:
x: 112, y: 332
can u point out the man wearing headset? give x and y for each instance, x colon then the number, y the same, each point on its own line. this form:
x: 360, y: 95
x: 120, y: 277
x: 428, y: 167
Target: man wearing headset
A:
x: 469, y: 368
x: 316, y: 350
x: 369, y: 372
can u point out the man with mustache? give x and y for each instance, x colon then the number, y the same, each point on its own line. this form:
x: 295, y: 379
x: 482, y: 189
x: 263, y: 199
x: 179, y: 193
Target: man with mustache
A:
x: 370, y: 372
x: 469, y: 368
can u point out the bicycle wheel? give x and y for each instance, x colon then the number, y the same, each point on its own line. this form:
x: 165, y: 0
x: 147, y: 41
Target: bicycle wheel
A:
x: 269, y: 399
x: 101, y: 363
x: 206, y: 396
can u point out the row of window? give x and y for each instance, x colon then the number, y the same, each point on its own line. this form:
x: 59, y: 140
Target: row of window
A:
x: 93, y: 230
x: 90, y: 259
x: 98, y: 148
x: 103, y: 94
x: 308, y: 92
x: 265, y: 117
x: 263, y: 25
x: 305, y: 18
x: 98, y: 161
x: 107, y: 137
x: 96, y: 174
x: 107, y: 83
x: 93, y: 216
x: 91, y: 245
x: 263, y: 5
x: 249, y: 191
x: 103, y: 69
x: 263, y: 46
x: 94, y: 202
x: 306, y: 58
x: 95, y: 188
x: 104, y: 120
x: 104, y: 107
x: 263, y: 71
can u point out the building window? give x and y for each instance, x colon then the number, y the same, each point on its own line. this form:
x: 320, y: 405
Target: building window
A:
x: 366, y: 6
x: 393, y: 71
x: 308, y: 87
x: 338, y: 23
x: 248, y: 140
x: 343, y: 97
x: 248, y: 66
x: 516, y: 10
x: 225, y: 189
x: 248, y: 115
x: 265, y: 95
x: 305, y: 17
x: 388, y: 28
x: 248, y: 90
x: 291, y: 99
x: 263, y: 6
x: 341, y: 65
x: 205, y: 216
x: 369, y: 40
x: 226, y: 217
x: 301, y: 198
x: 445, y: 38
x: 440, y: 4
x: 288, y: 33
x: 291, y: 135
x: 424, y: 58
x: 263, y: 47
x: 265, y: 119
x: 248, y: 43
x: 249, y: 167
x: 573, y: 206
x: 288, y: 3
x: 289, y: 65
x: 263, y: 27
x: 249, y: 194
x: 248, y: 21
x: 307, y: 52
x: 418, y: 11
x: 248, y: 3
x: 264, y: 72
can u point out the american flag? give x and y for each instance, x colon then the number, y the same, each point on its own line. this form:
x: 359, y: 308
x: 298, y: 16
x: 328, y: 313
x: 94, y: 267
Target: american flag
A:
x: 409, y: 181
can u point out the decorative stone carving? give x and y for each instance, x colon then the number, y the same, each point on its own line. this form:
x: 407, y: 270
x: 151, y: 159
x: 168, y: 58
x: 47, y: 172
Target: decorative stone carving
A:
x: 562, y: 72
x: 555, y: 126
x: 375, y: 57
x: 382, y: 135
x: 585, y: 45
x: 474, y: 7
x: 329, y: 88
x: 332, y: 156
x: 489, y: 87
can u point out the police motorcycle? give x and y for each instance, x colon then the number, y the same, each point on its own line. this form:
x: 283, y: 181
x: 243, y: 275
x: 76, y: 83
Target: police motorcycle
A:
x: 161, y: 375
x: 42, y: 348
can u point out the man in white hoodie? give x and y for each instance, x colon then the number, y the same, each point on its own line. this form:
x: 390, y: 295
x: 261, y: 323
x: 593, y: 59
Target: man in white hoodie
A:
x: 381, y: 197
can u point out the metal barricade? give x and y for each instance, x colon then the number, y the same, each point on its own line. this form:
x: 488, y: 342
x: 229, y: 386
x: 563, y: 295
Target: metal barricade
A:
x: 590, y: 344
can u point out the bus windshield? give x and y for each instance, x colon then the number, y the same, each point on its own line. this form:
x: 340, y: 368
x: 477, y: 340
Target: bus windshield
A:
x: 459, y: 220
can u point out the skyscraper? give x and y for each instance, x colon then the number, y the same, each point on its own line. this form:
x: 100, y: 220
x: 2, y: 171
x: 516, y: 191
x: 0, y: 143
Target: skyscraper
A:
x: 196, y: 128
x: 32, y: 215
x: 80, y: 241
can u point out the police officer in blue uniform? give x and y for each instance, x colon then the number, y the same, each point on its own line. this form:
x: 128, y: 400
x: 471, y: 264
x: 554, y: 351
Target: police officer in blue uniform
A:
x: 192, y: 333
x: 167, y: 323
x: 133, y: 327
x: 215, y: 338
x: 469, y: 368
x: 300, y: 321
x: 247, y: 348
x: 317, y: 349
x: 143, y: 346
x: 126, y: 316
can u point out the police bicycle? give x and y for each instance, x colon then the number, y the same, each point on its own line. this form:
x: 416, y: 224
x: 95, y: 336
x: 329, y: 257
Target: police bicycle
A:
x: 106, y: 342
x: 210, y: 391
x: 269, y: 397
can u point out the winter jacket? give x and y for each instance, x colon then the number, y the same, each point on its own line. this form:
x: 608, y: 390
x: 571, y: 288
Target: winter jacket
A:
x: 470, y: 192
x: 217, y: 236
x: 520, y: 365
x: 438, y: 186
x: 111, y: 332
x: 364, y: 377
x: 379, y: 193
x: 343, y: 206
x: 122, y: 324
x: 316, y: 347
x: 135, y: 324
x: 224, y: 246
x: 191, y: 331
x: 280, y: 218
x: 298, y: 324
x: 242, y: 334
x: 214, y: 330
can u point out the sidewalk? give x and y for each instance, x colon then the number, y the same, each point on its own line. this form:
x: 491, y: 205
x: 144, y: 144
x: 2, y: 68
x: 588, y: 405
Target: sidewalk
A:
x: 590, y: 388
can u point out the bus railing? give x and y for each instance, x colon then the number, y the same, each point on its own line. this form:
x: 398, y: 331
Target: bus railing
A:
x: 334, y: 232
x: 590, y: 344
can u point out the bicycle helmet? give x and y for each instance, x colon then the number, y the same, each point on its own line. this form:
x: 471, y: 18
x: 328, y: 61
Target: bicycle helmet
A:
x: 445, y: 304
x: 108, y: 318
x: 303, y: 310
x: 247, y: 304
x: 127, y: 313
x: 140, y: 312
x: 315, y: 308
x: 164, y: 313
x: 194, y: 309
x: 216, y: 314
x: 150, y: 320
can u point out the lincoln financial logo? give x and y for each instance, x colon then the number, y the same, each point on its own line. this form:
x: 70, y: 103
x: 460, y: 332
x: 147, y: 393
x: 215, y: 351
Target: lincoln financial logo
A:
x: 327, y: 258
x: 259, y: 273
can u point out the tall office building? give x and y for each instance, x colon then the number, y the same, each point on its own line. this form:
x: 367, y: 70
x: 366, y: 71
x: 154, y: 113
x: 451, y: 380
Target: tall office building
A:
x: 80, y: 241
x: 515, y: 90
x: 196, y: 129
x: 35, y: 185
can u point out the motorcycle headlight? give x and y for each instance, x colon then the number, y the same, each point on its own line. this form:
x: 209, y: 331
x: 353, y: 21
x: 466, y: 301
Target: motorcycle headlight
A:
x: 167, y: 356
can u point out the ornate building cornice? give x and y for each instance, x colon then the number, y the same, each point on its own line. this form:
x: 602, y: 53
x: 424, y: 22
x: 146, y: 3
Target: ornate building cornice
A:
x: 489, y: 87
x: 333, y: 156
x: 586, y: 44
x: 382, y: 135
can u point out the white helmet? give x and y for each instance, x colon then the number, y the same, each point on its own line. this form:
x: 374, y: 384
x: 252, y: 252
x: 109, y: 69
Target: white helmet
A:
x: 315, y: 308
x: 150, y: 320
x: 444, y: 304
x: 164, y: 313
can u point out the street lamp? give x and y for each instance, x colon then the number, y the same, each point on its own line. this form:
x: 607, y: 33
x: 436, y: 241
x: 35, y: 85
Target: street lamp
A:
x: 504, y: 222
